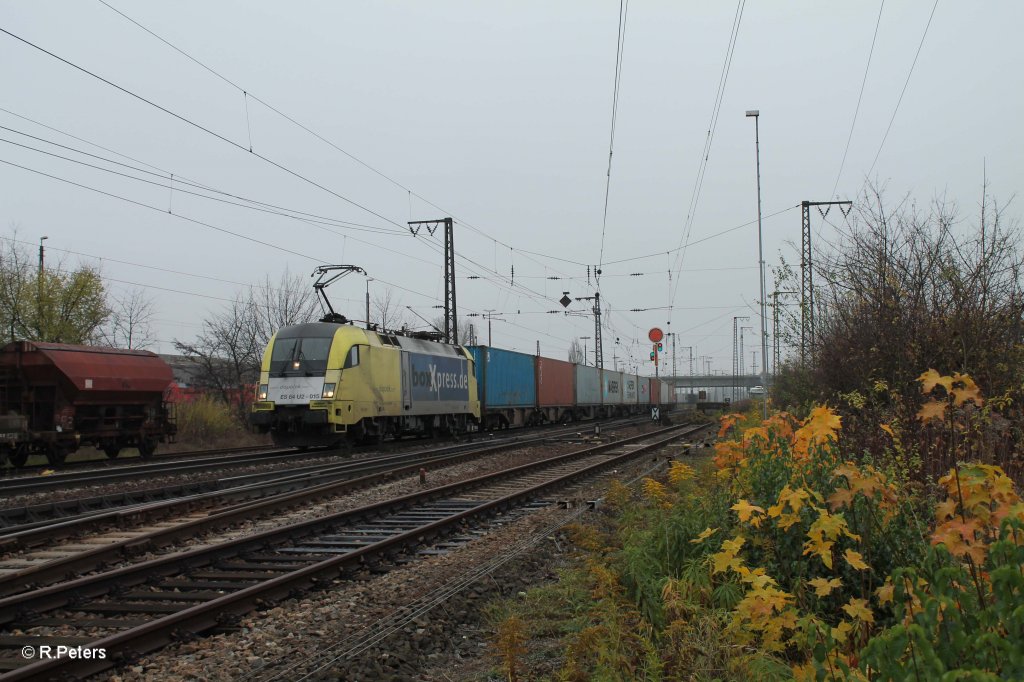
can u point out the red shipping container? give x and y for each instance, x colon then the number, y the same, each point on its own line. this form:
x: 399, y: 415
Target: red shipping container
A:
x: 555, y: 385
x: 655, y: 391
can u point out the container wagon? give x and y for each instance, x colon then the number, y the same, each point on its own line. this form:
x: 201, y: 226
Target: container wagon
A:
x: 556, y: 390
x: 507, y: 385
x: 55, y: 398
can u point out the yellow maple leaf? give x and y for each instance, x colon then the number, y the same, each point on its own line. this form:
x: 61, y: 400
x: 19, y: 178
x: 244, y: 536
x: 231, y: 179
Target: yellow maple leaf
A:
x: 842, y: 631
x: 933, y: 409
x: 884, y: 593
x: 930, y: 379
x: 759, y: 581
x: 969, y: 391
x: 945, y: 510
x: 704, y: 535
x: 855, y: 559
x: 750, y: 434
x: 787, y: 520
x: 822, y: 548
x: 744, y: 510
x: 723, y: 561
x: 794, y: 498
x: 859, y: 609
x: 888, y: 429
x: 819, y: 427
x: 823, y: 587
x: 733, y: 546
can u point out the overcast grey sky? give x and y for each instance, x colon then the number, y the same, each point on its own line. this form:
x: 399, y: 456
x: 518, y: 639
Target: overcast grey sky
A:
x: 499, y: 114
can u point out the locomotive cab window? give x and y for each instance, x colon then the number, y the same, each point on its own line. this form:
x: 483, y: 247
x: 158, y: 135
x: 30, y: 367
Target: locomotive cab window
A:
x: 300, y: 355
x: 352, y: 358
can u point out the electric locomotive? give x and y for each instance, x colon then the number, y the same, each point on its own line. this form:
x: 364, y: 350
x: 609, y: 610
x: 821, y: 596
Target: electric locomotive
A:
x: 323, y: 383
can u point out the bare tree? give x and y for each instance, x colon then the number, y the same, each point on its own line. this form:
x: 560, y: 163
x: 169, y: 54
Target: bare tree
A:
x: 466, y: 329
x: 907, y: 290
x: 229, y: 351
x: 130, y: 322
x: 388, y: 311
x: 290, y: 301
x: 576, y: 352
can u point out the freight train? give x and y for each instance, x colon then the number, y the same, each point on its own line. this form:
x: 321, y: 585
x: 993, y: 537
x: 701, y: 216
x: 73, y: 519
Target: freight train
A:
x: 323, y: 383
x: 55, y: 398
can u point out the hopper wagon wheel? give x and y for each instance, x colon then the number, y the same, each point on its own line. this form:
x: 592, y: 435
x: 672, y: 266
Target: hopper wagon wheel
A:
x: 147, y: 446
x: 112, y: 450
x: 56, y: 453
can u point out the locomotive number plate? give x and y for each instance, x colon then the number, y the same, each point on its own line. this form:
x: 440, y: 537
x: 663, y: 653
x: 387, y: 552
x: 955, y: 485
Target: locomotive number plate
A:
x: 294, y: 390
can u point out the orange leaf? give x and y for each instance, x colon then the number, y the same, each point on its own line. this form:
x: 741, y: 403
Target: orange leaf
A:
x: 933, y: 409
x: 970, y: 390
x: 888, y: 429
x: 945, y: 509
x: 930, y: 379
x: 840, y: 498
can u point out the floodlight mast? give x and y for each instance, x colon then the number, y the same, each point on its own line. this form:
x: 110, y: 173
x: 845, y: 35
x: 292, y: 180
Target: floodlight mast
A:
x: 320, y: 284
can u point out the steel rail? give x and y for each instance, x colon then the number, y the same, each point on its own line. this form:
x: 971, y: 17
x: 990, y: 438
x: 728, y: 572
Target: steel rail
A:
x: 60, y: 569
x: 198, y: 618
x: 16, y: 520
x: 103, y: 461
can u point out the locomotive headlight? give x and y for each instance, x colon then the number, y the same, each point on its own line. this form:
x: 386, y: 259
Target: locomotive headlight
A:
x: 262, y: 393
x: 328, y: 391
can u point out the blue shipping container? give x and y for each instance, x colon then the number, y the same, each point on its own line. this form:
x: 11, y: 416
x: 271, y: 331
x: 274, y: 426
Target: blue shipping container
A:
x: 504, y: 378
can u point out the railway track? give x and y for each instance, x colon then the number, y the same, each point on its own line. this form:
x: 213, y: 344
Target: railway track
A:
x: 16, y: 519
x: 183, y: 518
x: 101, y: 461
x: 25, y: 485
x: 143, y: 606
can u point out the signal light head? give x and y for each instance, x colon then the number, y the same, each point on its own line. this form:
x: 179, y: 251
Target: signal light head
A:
x: 652, y: 355
x: 659, y: 346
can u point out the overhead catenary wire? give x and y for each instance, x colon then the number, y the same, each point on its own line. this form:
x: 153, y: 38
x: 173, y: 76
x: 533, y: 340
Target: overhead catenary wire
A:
x: 162, y: 210
x: 236, y: 144
x: 296, y: 174
x: 249, y: 95
x: 860, y: 96
x: 619, y: 49
x: 209, y: 225
x: 175, y: 184
x: 904, y: 90
x: 246, y: 94
x: 202, y: 128
x: 723, y: 80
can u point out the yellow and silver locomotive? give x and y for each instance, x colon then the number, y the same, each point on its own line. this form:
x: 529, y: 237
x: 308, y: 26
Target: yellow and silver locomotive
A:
x: 324, y: 382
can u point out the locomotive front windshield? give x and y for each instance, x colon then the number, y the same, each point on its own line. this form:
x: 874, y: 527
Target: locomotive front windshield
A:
x: 300, y: 355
